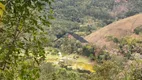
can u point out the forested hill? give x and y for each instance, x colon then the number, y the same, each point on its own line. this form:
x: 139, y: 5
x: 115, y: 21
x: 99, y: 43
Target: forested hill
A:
x: 104, y: 10
x: 86, y: 16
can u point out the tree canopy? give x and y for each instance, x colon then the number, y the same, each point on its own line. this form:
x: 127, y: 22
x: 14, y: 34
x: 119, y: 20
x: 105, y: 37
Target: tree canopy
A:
x: 22, y: 36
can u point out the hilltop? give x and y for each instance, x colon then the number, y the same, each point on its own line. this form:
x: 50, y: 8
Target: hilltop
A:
x: 119, y: 29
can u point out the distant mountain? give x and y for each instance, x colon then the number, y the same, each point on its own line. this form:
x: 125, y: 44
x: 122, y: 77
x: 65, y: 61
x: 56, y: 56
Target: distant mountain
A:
x: 118, y: 29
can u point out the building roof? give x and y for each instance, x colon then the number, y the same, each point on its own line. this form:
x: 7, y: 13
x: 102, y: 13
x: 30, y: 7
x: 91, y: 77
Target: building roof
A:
x: 77, y: 37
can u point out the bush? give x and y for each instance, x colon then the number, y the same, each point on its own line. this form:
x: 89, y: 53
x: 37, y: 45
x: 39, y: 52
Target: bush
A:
x: 47, y: 71
x: 102, y: 56
x: 107, y: 71
x: 138, y: 30
x: 137, y: 74
x: 88, y: 50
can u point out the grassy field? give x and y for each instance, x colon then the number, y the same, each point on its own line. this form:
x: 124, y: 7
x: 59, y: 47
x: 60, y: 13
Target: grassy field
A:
x: 81, y: 62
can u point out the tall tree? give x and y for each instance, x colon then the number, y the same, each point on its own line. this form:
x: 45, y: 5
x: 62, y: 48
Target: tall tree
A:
x: 22, y: 37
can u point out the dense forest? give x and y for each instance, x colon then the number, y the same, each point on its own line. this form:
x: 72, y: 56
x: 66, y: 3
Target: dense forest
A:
x: 46, y: 40
x: 85, y: 16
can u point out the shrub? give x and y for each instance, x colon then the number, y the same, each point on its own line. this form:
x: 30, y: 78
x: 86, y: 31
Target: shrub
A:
x: 88, y: 49
x: 103, y: 55
x: 107, y: 71
x: 47, y: 71
x: 138, y: 30
x: 137, y: 74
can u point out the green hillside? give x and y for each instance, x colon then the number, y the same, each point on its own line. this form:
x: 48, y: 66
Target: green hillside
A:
x: 48, y: 40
